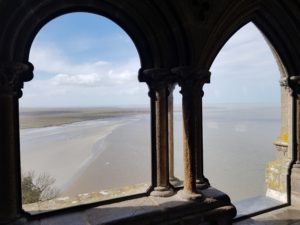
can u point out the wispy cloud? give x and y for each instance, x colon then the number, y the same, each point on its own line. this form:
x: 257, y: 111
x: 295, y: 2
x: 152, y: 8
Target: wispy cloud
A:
x: 48, y: 58
x: 87, y: 83
x: 244, y: 71
x: 245, y: 63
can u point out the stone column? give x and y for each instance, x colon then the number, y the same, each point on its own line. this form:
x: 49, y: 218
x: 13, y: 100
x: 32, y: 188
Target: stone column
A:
x: 295, y: 175
x: 191, y: 83
x: 173, y: 180
x: 295, y: 85
x: 157, y: 80
x: 12, y: 76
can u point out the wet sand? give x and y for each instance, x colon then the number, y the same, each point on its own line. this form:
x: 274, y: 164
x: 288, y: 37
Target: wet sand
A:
x: 45, y: 117
x: 63, y: 151
x: 114, y: 152
x: 125, y: 161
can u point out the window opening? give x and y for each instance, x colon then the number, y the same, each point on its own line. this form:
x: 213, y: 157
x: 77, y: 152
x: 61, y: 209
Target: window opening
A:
x: 241, y: 121
x: 85, y: 121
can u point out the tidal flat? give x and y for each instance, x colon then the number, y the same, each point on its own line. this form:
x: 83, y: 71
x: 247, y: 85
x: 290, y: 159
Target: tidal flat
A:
x: 45, y: 117
x: 95, y: 149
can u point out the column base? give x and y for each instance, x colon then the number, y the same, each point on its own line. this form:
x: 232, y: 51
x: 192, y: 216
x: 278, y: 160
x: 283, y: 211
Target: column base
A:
x: 176, y: 182
x: 162, y: 192
x: 202, y: 184
x: 190, y: 196
x: 297, y: 164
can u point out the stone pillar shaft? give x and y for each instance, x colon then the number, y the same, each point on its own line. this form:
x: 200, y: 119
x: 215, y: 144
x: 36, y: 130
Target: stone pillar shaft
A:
x: 171, y: 131
x: 297, y: 153
x: 158, y: 92
x: 12, y: 76
x: 295, y: 90
x: 191, y: 83
x: 294, y: 84
x: 161, y: 137
x: 173, y: 179
x: 189, y: 145
x: 201, y: 181
x: 171, y: 134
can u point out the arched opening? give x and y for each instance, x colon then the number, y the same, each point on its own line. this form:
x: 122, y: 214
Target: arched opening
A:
x: 85, y: 124
x: 245, y: 110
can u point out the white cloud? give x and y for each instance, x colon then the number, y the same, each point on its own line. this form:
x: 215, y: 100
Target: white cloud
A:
x: 245, y: 63
x: 82, y: 84
x: 80, y: 79
x: 51, y: 60
x: 48, y: 58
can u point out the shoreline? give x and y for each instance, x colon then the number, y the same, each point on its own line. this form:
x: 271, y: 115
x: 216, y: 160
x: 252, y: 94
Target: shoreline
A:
x: 42, y: 118
x: 128, y: 148
x: 74, y: 142
x: 49, y: 117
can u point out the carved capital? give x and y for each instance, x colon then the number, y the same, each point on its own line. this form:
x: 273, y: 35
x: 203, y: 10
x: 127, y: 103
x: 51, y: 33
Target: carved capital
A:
x: 294, y: 85
x: 284, y: 83
x: 156, y: 75
x: 156, y: 79
x: 171, y: 87
x: 13, y: 75
x: 191, y: 80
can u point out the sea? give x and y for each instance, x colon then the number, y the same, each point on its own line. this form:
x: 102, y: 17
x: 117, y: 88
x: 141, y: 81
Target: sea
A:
x: 115, y: 152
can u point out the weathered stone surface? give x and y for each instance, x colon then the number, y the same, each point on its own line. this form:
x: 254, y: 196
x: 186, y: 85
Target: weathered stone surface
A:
x: 158, y: 83
x: 85, y: 198
x: 150, y: 211
x: 276, y: 179
x: 68, y: 219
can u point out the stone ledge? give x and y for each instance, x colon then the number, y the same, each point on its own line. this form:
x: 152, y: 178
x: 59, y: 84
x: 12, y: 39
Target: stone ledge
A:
x: 216, y: 207
x: 83, y: 199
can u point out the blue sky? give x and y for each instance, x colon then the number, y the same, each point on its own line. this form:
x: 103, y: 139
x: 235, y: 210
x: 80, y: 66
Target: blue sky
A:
x: 85, y: 60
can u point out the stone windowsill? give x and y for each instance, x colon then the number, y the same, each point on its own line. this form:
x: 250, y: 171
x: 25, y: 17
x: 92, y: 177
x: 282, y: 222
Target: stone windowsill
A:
x: 215, y: 206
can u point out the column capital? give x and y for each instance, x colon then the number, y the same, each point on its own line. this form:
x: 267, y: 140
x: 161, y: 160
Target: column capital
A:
x: 190, y: 78
x: 156, y: 79
x: 156, y: 75
x: 13, y: 75
x: 294, y: 85
x: 171, y: 87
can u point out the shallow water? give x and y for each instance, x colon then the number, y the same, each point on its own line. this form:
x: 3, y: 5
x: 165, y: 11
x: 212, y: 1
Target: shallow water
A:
x: 96, y: 155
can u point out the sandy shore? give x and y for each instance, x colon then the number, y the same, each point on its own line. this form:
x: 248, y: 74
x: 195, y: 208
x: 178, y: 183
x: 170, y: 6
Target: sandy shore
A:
x: 63, y: 151
x: 115, y: 151
x: 90, y: 155
x: 45, y: 117
x: 125, y: 161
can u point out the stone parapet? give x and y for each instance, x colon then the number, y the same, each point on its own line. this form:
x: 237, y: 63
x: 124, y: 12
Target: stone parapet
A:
x: 214, y: 209
x: 84, y: 198
x: 276, y: 179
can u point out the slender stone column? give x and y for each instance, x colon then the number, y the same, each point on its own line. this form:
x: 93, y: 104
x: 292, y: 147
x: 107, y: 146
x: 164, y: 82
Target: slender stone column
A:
x: 171, y: 132
x: 191, y: 83
x: 157, y: 80
x: 173, y: 180
x: 294, y: 84
x: 12, y: 76
x: 295, y: 87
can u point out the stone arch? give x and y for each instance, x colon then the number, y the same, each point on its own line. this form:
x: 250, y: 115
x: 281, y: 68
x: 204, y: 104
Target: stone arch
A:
x: 146, y: 24
x: 279, y: 24
x: 271, y: 18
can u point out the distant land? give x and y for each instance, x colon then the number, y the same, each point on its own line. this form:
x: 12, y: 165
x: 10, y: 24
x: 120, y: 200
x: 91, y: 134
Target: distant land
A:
x: 45, y: 117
